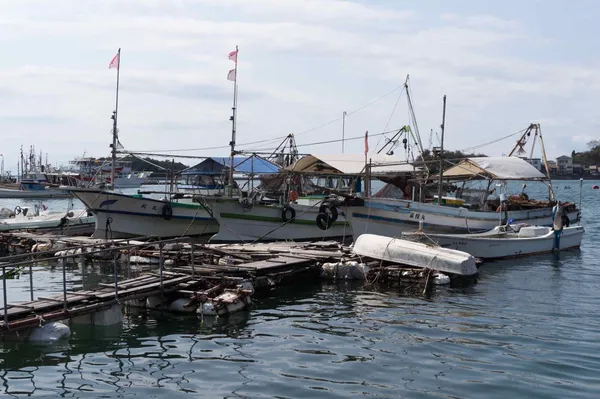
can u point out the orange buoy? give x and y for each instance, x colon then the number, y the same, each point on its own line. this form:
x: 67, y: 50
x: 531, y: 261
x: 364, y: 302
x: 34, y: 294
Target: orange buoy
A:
x: 293, y: 195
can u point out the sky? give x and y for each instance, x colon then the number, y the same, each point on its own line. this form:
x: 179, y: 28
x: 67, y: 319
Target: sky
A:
x: 302, y: 63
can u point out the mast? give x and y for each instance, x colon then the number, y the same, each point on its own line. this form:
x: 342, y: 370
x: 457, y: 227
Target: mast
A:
x: 115, y: 63
x: 441, y: 172
x: 232, y: 75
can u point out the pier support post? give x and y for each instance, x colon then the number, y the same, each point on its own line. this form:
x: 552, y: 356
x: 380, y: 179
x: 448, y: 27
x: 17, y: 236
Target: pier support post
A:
x: 5, y: 296
x: 31, y: 282
x: 115, y: 265
x: 64, y: 271
x: 161, y: 263
x: 192, y: 259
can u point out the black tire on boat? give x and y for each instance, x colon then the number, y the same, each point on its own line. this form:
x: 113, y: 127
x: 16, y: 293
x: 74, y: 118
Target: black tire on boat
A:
x: 167, y: 211
x: 284, y: 214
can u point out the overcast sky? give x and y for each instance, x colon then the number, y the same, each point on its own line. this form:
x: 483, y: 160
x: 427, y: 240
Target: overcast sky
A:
x: 302, y: 63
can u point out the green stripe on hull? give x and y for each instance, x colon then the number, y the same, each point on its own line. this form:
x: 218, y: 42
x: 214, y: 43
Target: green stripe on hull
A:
x: 183, y: 205
x: 272, y: 219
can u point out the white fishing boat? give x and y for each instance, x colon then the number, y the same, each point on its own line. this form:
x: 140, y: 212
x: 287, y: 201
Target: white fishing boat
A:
x: 252, y: 221
x: 120, y: 216
x: 131, y: 180
x: 391, y: 216
x: 415, y: 254
x: 40, y: 219
x: 507, y: 241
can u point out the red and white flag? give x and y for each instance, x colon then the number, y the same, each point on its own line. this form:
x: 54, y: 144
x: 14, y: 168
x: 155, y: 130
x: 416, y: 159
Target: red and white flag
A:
x: 233, y: 56
x: 366, y: 142
x: 115, y: 62
x: 231, y: 75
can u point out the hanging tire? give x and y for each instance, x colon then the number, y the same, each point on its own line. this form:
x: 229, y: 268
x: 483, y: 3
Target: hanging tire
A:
x: 330, y: 210
x: 167, y: 211
x: 323, y: 221
x: 285, y: 218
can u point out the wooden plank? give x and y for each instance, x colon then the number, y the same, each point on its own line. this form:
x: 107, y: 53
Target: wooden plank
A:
x: 17, y: 305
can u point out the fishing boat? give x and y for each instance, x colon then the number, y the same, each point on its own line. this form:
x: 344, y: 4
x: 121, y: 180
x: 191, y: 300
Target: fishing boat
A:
x: 121, y: 216
x: 508, y: 241
x: 311, y: 217
x: 392, y: 216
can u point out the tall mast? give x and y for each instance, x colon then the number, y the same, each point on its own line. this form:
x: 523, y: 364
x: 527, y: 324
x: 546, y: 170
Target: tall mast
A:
x: 233, y: 76
x: 115, y: 63
x: 441, y: 172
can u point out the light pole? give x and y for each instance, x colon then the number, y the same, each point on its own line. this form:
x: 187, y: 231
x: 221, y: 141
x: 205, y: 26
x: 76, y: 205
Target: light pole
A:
x: 2, y: 167
x: 343, y: 129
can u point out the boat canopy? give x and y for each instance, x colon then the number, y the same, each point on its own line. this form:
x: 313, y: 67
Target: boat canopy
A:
x: 350, y: 164
x: 253, y: 164
x: 498, y: 168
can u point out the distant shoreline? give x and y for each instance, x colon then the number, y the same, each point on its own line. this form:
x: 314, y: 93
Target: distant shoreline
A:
x: 574, y: 177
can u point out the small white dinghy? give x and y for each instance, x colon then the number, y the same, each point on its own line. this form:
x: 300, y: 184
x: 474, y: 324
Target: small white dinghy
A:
x: 43, y: 219
x: 506, y: 241
x: 415, y: 254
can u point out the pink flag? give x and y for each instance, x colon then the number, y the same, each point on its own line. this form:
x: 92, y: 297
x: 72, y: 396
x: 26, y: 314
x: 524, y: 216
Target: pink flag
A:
x: 366, y: 142
x: 115, y: 62
x: 233, y: 56
x: 231, y: 75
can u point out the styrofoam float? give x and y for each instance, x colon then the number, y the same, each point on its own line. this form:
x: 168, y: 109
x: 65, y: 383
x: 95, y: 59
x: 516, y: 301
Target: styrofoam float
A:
x: 415, y: 254
x: 50, y: 332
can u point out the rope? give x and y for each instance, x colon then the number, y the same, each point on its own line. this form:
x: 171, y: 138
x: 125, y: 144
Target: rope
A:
x: 288, y: 221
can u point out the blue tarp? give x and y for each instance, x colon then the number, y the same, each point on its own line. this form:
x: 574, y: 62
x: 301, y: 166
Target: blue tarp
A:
x: 215, y: 165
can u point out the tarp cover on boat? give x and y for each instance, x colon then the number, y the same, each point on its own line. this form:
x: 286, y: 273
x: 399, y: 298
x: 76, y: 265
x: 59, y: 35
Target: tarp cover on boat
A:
x: 350, y: 164
x: 501, y: 168
x: 252, y: 164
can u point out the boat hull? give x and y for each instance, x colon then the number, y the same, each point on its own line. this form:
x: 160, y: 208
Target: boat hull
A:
x: 265, y: 223
x: 46, y: 193
x: 123, y: 216
x: 491, y: 247
x: 391, y: 217
x: 79, y: 223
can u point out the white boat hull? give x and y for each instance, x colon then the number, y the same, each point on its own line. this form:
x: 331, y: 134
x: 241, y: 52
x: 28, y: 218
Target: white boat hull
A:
x: 122, y: 216
x: 265, y: 223
x: 495, y: 245
x: 392, y: 217
x: 415, y: 254
x: 46, y: 193
x: 79, y: 220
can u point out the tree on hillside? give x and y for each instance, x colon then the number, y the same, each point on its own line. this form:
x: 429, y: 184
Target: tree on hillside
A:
x: 593, y: 144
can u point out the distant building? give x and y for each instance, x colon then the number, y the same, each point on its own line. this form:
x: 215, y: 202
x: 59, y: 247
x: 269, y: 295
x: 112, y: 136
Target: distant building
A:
x: 552, y: 167
x: 535, y: 162
x: 564, y: 165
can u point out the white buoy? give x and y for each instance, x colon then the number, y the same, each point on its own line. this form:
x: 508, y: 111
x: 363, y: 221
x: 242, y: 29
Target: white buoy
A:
x: 50, y: 332
x: 441, y: 279
x: 179, y: 306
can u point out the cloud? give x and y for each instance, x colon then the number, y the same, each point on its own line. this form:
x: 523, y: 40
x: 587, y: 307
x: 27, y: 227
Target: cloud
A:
x: 301, y: 64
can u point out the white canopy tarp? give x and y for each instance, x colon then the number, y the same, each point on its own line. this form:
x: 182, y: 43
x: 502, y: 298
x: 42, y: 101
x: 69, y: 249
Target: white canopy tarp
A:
x: 351, y: 164
x: 501, y: 168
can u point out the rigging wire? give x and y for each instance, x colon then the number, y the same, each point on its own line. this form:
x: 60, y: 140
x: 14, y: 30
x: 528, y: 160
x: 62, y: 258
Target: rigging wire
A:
x: 469, y: 149
x: 260, y: 149
x: 390, y: 118
x: 275, y: 138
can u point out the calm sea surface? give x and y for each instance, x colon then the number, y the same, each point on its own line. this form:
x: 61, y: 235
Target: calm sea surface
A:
x: 529, y: 328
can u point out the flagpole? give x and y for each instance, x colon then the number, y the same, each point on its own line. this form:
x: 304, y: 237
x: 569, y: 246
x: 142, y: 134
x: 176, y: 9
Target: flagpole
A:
x: 114, y: 117
x: 233, y: 124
